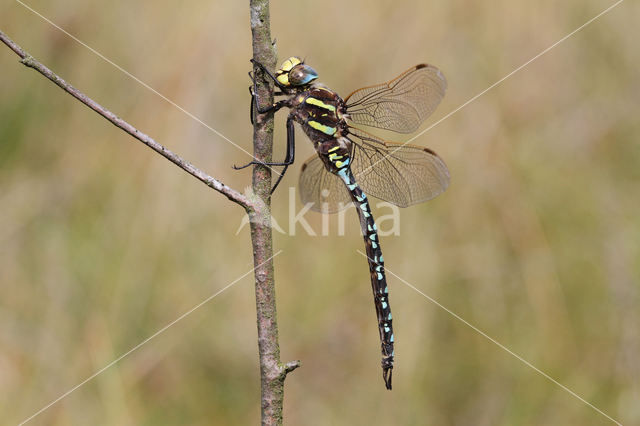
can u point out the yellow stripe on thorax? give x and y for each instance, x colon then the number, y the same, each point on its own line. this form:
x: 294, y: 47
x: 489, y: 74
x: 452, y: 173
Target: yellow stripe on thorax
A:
x: 319, y: 103
x: 328, y: 130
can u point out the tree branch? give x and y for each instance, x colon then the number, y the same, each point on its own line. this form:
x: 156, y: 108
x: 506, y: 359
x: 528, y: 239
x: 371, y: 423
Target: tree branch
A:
x: 211, y: 182
x: 272, y: 371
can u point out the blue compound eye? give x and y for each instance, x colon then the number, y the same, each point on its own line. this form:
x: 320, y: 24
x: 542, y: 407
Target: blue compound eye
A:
x: 302, y: 74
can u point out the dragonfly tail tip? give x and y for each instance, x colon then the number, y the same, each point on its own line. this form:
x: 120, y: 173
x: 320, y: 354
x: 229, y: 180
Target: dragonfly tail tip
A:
x: 386, y: 375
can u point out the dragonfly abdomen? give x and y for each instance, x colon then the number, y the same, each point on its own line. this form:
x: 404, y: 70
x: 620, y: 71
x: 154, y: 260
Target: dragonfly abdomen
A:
x: 376, y: 268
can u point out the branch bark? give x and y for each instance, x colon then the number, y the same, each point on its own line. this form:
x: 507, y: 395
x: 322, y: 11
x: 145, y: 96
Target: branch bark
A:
x: 272, y: 371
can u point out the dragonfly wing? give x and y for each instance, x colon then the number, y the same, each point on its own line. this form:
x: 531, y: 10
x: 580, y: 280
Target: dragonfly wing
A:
x: 401, y: 104
x: 324, y: 190
x: 401, y: 174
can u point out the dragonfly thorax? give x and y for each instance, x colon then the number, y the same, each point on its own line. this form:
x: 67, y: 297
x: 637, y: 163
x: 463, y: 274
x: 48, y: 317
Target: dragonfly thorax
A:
x: 320, y: 112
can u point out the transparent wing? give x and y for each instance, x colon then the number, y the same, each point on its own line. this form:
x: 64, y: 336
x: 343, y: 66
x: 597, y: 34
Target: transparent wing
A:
x: 401, y: 104
x: 326, y: 191
x: 400, y: 174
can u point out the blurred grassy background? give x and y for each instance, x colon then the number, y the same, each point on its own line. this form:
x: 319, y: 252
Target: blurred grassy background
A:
x: 102, y: 243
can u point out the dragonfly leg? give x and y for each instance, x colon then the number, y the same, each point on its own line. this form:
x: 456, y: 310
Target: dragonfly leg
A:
x: 252, y: 92
x: 267, y: 72
x: 260, y: 163
x: 255, y: 101
x: 252, y: 103
x: 291, y: 151
x: 288, y: 160
x: 272, y: 108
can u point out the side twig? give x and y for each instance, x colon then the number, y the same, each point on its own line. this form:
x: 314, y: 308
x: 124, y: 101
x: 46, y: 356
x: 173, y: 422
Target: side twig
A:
x: 211, y: 182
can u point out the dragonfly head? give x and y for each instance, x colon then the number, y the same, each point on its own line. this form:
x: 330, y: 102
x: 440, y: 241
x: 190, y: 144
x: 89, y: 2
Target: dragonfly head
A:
x: 295, y: 73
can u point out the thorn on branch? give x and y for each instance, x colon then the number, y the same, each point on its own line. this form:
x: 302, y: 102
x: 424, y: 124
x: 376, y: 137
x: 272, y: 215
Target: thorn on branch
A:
x: 289, y: 367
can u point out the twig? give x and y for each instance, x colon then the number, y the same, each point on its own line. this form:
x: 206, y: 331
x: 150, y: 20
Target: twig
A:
x: 213, y: 183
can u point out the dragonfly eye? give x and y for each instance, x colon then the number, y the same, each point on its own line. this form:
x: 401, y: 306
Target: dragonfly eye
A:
x: 301, y: 75
x: 293, y: 72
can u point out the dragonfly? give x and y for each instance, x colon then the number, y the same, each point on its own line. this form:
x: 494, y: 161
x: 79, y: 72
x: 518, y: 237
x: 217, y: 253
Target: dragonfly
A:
x: 351, y: 163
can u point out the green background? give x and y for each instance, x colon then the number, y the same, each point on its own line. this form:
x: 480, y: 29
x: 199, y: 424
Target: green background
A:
x: 536, y: 242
